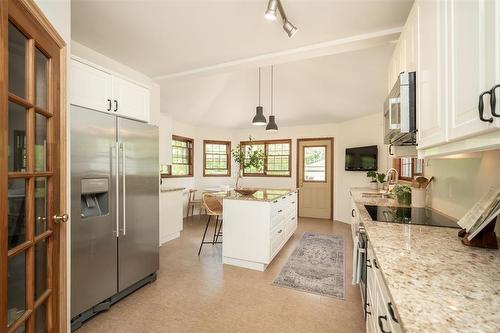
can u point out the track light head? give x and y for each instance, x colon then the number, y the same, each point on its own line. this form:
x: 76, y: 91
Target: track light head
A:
x: 289, y: 28
x: 272, y: 8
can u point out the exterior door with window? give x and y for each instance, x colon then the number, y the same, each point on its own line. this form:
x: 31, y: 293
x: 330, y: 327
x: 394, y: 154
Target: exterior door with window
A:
x: 315, y: 177
x: 30, y: 172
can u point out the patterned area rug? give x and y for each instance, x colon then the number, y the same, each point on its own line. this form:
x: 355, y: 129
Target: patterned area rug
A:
x: 316, y: 266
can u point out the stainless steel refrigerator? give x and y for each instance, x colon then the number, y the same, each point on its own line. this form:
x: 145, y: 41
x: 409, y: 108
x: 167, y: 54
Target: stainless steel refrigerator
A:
x: 115, y: 209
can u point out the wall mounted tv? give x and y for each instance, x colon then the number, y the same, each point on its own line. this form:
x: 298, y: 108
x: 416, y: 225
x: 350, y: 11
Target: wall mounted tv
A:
x: 361, y: 158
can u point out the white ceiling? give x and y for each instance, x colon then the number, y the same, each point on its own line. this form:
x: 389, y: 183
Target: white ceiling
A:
x: 160, y: 37
x: 195, y: 50
x: 314, y: 91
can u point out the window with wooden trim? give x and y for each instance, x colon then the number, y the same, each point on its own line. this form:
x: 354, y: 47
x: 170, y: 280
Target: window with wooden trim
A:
x: 409, y: 167
x: 182, y: 156
x: 277, y: 158
x: 216, y: 158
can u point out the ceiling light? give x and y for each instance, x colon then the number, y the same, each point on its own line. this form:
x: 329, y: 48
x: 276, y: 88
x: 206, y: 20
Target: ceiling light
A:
x: 272, y: 6
x: 259, y: 119
x: 289, y: 28
x: 271, y: 125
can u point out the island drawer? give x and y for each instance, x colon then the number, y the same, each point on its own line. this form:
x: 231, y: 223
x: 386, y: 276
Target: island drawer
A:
x: 277, y: 237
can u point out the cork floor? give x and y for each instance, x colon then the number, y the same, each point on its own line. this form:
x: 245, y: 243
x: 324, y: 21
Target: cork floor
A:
x: 199, y: 294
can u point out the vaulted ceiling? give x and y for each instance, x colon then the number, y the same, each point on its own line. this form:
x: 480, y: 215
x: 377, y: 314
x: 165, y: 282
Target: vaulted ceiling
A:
x: 195, y: 49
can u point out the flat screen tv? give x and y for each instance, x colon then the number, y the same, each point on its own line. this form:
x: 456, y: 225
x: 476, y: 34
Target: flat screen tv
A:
x: 361, y: 158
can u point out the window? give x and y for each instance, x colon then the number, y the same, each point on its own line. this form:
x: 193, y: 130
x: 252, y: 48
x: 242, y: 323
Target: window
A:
x: 409, y: 167
x: 277, y: 159
x: 315, y: 164
x: 182, y: 156
x: 216, y: 158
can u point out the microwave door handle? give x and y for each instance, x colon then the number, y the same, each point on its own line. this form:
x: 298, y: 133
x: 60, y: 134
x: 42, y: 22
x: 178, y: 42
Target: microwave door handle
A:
x: 392, y: 101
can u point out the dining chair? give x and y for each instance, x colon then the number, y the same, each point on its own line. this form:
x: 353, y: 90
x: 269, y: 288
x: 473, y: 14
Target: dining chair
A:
x: 213, y: 207
x: 193, y: 202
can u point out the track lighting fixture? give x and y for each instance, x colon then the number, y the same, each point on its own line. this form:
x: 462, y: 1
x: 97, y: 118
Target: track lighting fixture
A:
x: 273, y: 8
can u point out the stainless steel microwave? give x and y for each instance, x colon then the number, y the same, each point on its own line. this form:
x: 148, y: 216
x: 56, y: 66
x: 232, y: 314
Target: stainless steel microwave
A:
x: 400, y: 119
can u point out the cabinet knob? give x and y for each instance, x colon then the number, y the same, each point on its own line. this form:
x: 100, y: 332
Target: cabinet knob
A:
x: 61, y: 218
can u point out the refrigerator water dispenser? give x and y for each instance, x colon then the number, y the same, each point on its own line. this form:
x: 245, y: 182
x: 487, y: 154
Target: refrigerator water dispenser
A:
x: 94, y: 197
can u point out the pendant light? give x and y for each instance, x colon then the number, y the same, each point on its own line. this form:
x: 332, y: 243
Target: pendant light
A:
x: 259, y: 119
x: 271, y: 125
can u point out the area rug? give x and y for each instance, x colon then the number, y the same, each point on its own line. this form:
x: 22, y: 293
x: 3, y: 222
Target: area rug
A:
x: 316, y: 266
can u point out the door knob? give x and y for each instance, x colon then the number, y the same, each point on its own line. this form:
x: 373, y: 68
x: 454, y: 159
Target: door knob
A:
x: 61, y: 218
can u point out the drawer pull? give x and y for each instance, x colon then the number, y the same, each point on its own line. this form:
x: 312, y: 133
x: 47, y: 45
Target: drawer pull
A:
x: 279, y: 211
x: 381, y: 325
x: 368, y: 263
x: 275, y: 201
x: 279, y: 232
x: 391, y: 312
x: 375, y: 263
x: 353, y: 213
x: 293, y: 202
x: 293, y: 218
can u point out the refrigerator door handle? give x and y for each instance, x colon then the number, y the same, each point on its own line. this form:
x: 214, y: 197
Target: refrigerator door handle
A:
x: 117, y: 189
x: 124, y: 206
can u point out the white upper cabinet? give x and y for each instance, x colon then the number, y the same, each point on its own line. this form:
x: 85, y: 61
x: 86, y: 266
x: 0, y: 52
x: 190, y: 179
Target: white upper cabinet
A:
x: 130, y: 100
x: 431, y: 84
x: 100, y: 90
x: 89, y: 87
x: 474, y: 62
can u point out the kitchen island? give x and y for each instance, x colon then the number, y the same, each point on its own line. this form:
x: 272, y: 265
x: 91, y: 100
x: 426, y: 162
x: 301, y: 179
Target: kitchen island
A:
x: 256, y: 227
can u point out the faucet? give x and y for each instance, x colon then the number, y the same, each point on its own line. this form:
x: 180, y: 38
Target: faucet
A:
x: 390, y: 181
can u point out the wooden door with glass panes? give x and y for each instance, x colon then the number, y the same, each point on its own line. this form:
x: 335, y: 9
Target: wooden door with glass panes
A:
x: 30, y: 170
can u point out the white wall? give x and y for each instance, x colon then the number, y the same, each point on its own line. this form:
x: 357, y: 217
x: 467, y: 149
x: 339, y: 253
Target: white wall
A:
x: 97, y: 58
x: 359, y: 132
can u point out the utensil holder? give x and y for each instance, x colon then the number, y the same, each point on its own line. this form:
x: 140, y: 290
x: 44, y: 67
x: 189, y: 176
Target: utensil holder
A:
x: 418, y: 197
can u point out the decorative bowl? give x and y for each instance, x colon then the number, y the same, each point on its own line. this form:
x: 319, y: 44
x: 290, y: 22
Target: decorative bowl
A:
x: 245, y: 191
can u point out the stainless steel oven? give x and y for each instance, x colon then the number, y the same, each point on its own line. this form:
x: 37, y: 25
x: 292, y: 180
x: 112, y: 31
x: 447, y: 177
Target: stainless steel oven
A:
x: 400, y: 120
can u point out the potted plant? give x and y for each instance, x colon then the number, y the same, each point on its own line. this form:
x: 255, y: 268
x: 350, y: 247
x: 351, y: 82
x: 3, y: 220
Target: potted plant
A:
x: 381, y: 178
x: 252, y: 158
x: 373, y: 182
x: 403, y: 194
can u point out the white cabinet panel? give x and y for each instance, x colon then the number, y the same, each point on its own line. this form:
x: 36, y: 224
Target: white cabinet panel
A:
x: 473, y: 63
x: 130, y: 100
x: 431, y: 83
x: 411, y: 42
x: 89, y: 87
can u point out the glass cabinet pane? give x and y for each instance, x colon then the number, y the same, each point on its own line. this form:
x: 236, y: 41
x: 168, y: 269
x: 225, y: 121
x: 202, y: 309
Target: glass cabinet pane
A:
x: 17, y: 138
x: 41, y: 318
x: 40, y: 205
x: 16, y: 288
x: 41, y: 63
x: 40, y: 143
x: 40, y: 268
x: 17, y: 212
x: 17, y: 62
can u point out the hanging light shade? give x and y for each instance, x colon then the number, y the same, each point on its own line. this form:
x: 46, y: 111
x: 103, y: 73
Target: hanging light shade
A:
x: 259, y: 119
x: 271, y: 126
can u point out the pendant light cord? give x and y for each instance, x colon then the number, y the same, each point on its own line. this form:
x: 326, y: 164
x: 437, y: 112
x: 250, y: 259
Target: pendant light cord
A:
x: 259, y: 86
x: 272, y: 89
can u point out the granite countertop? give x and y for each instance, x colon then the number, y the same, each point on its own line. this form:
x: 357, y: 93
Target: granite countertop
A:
x: 437, y: 283
x: 171, y: 189
x: 265, y: 194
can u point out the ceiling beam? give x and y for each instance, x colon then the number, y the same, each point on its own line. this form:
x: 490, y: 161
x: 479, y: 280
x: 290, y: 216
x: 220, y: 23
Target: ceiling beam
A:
x: 349, y: 44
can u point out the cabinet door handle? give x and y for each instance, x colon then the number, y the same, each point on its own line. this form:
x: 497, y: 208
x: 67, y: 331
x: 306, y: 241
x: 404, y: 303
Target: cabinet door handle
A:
x: 366, y: 309
x: 375, y: 263
x: 116, y: 105
x: 109, y: 105
x: 381, y: 325
x: 368, y: 263
x: 481, y: 107
x: 293, y: 202
x: 279, y: 232
x: 279, y: 211
x: 275, y: 201
x: 390, y: 150
x: 493, y: 101
x: 353, y: 213
x: 391, y: 312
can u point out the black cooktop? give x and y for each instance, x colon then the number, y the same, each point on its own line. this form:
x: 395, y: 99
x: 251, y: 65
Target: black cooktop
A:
x: 410, y: 215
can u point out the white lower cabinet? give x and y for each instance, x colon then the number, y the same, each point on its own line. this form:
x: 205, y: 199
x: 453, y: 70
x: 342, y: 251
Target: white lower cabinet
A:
x: 255, y: 231
x: 381, y: 315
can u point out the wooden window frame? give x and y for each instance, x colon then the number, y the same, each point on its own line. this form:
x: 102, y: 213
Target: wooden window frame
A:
x: 228, y: 154
x: 397, y: 165
x: 266, y: 143
x: 326, y: 163
x: 191, y: 157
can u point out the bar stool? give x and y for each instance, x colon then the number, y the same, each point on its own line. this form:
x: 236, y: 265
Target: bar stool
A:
x: 213, y: 207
